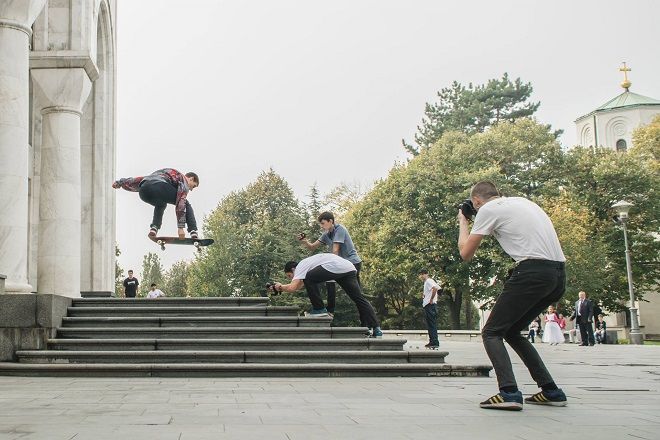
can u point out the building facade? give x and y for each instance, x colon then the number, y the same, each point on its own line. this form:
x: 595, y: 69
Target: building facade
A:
x: 57, y: 145
x: 611, y: 125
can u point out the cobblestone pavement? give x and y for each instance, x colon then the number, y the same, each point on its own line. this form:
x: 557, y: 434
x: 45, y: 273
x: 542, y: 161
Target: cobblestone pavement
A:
x: 613, y: 394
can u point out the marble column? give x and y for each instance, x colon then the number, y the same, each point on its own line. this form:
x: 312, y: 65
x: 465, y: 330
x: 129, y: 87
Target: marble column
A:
x: 16, y: 18
x: 62, y: 93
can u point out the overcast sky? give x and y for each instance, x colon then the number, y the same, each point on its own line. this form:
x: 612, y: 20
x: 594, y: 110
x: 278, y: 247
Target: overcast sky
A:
x: 324, y: 91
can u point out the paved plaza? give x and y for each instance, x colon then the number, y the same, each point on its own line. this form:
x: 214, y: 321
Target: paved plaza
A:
x: 613, y: 394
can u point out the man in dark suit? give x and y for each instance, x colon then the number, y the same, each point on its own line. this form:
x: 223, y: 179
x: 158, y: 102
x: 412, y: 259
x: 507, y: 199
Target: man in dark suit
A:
x: 584, y: 315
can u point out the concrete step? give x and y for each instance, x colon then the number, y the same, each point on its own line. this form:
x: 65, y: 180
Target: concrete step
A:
x: 227, y: 357
x: 312, y: 344
x: 170, y: 302
x: 149, y: 310
x: 243, y: 370
x: 212, y: 332
x: 196, y: 321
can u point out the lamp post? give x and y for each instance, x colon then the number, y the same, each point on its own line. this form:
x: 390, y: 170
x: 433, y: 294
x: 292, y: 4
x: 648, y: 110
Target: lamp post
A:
x: 622, y: 208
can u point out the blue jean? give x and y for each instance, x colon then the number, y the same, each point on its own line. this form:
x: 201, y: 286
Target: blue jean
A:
x: 431, y: 312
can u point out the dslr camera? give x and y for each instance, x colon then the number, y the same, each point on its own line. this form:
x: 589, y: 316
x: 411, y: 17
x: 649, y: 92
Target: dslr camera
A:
x: 302, y: 236
x: 270, y: 286
x: 467, y: 208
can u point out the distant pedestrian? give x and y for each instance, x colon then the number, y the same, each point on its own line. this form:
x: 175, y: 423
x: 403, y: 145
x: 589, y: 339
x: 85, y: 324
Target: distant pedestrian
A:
x: 533, y: 330
x: 583, y: 316
x: 552, y: 333
x: 601, y: 330
x: 155, y: 292
x: 130, y: 285
x: 429, y: 303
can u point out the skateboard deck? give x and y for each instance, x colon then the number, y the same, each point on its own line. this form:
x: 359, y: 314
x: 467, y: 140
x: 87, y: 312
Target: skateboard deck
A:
x: 199, y: 243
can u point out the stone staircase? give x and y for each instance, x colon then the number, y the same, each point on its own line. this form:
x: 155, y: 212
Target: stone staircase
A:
x: 218, y: 337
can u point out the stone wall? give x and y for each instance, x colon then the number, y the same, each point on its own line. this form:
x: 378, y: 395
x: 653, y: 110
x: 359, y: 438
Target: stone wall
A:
x: 28, y: 321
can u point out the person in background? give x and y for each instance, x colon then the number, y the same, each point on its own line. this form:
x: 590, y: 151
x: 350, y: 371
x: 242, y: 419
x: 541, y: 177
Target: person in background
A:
x: 601, y: 330
x: 533, y: 330
x: 552, y: 333
x: 130, y: 285
x: 429, y: 303
x: 154, y: 292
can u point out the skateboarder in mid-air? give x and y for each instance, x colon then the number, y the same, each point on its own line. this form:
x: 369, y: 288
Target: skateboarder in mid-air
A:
x: 160, y: 188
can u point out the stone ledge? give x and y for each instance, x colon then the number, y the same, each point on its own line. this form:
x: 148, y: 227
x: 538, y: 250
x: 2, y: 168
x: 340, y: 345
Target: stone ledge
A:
x: 27, y: 321
x: 244, y: 370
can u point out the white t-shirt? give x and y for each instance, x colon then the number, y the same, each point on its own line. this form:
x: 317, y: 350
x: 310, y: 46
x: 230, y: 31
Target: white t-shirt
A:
x: 429, y: 284
x: 521, y: 227
x: 155, y: 293
x: 330, y: 262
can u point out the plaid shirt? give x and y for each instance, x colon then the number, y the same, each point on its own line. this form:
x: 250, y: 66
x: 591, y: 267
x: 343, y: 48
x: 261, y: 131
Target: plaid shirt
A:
x: 170, y: 176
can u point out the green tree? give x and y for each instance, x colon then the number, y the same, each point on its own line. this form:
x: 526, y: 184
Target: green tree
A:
x: 254, y: 231
x: 119, y: 275
x: 176, y: 279
x: 646, y: 142
x: 152, y: 272
x: 472, y: 109
x: 342, y: 198
x: 599, y: 177
x: 408, y: 221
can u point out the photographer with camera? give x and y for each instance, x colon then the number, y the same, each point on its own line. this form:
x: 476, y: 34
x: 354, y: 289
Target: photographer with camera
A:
x: 339, y: 242
x: 320, y: 268
x: 527, y: 235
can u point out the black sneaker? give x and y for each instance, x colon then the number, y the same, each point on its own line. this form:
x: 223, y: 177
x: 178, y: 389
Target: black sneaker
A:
x: 505, y: 401
x: 550, y: 398
x: 193, y: 234
x: 153, y: 232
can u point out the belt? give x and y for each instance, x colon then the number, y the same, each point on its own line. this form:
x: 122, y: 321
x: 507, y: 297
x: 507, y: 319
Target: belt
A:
x: 541, y: 263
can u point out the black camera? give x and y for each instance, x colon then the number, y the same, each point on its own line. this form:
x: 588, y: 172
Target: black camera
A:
x: 270, y: 286
x: 467, y: 208
x: 302, y: 236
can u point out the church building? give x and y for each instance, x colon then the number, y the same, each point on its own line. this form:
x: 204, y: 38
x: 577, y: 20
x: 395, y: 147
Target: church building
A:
x: 611, y: 125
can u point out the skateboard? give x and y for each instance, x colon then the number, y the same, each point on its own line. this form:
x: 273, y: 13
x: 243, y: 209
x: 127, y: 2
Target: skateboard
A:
x: 199, y: 243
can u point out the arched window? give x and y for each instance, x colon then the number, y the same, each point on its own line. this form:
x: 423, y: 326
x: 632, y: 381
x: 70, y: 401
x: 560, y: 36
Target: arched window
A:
x: 621, y: 145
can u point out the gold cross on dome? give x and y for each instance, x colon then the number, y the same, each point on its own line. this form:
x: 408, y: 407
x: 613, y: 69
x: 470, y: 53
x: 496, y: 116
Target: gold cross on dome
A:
x: 626, y: 82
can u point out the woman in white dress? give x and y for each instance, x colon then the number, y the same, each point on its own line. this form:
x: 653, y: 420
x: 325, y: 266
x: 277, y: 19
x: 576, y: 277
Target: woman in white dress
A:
x: 552, y: 333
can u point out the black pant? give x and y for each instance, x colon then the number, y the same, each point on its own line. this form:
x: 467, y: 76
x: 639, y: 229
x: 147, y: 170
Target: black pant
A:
x: 533, y: 286
x: 159, y: 194
x: 586, y: 332
x: 331, y: 288
x: 431, y: 312
x: 348, y: 282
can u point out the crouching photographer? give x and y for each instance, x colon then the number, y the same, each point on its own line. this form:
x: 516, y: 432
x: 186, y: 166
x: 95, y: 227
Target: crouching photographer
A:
x: 527, y: 235
x: 320, y: 268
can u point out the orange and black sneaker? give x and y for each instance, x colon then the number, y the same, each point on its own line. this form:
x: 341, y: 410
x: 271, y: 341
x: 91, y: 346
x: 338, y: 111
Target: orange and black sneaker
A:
x: 549, y: 398
x: 505, y: 401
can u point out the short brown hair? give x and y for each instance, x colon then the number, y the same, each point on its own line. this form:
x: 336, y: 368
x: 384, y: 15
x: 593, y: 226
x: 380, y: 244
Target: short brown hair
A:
x: 193, y: 176
x: 327, y: 216
x: 485, y: 190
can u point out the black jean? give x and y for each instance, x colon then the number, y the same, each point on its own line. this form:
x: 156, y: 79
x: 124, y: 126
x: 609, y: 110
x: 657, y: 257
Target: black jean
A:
x: 159, y: 194
x: 586, y: 332
x: 348, y: 282
x: 331, y: 288
x: 431, y: 312
x: 533, y: 286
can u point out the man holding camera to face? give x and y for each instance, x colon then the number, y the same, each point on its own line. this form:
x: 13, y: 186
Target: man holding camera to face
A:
x: 526, y: 233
